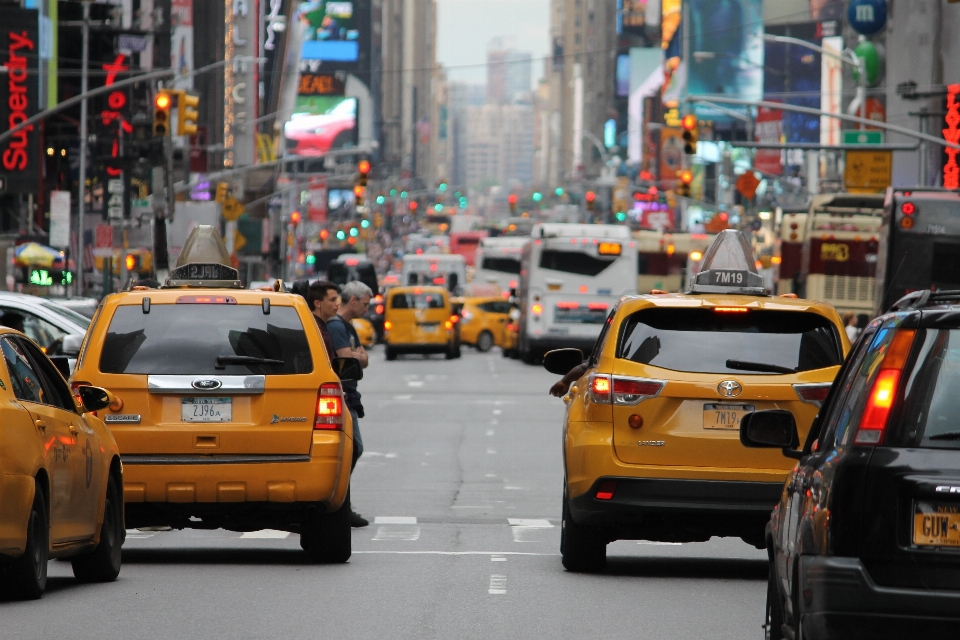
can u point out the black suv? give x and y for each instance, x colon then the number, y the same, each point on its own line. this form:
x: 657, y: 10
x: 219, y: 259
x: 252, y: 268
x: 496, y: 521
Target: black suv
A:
x: 865, y: 542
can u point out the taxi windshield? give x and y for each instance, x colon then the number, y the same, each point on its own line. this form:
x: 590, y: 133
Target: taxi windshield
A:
x: 711, y: 341
x: 215, y: 339
x: 417, y: 301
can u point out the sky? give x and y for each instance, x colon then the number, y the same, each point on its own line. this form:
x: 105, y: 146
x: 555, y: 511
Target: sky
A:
x: 465, y: 28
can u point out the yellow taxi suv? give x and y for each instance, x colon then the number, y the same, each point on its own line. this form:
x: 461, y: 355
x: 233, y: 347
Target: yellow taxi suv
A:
x: 60, y: 475
x: 228, y: 411
x: 652, y: 448
x: 365, y: 330
x: 484, y: 322
x: 420, y: 320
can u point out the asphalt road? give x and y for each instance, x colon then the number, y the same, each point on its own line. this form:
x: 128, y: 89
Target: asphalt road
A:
x: 461, y: 480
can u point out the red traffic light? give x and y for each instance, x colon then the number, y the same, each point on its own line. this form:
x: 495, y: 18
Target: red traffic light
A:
x: 324, y: 234
x: 358, y: 191
x: 413, y: 205
x: 295, y: 217
x: 689, y: 122
x: 686, y: 176
x: 512, y: 198
x: 590, y: 196
x: 363, y: 166
x: 163, y: 101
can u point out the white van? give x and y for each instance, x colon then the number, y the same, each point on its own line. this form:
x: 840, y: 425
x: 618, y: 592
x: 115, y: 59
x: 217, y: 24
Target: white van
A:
x: 498, y: 261
x: 446, y: 270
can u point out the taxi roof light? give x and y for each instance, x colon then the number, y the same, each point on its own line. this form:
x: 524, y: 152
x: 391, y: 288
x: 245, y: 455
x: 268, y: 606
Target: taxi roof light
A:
x: 729, y: 267
x: 204, y: 262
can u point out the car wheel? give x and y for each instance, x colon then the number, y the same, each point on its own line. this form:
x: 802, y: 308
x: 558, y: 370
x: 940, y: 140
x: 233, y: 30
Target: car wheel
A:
x: 773, y: 624
x: 583, y: 549
x: 453, y: 351
x: 328, y: 538
x: 484, y: 342
x: 389, y: 353
x: 103, y: 563
x: 27, y: 577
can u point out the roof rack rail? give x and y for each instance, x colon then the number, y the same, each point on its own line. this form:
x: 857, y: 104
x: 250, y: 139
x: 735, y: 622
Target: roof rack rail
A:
x: 921, y: 299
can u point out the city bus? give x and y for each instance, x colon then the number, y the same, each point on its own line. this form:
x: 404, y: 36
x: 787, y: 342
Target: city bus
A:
x: 665, y: 259
x: 571, y: 276
x: 465, y: 243
x: 839, y: 259
x: 919, y: 244
x: 792, y: 230
x: 443, y: 269
x: 498, y: 262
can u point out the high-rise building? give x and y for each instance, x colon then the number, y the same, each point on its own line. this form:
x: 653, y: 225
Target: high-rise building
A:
x: 508, y: 73
x: 495, y: 146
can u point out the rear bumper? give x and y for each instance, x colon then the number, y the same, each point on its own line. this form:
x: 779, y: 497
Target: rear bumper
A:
x: 678, y: 510
x: 425, y: 347
x: 843, y: 601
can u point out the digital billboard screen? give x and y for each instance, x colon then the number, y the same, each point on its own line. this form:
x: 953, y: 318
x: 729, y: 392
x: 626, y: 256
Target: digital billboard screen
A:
x: 320, y: 124
x: 332, y: 31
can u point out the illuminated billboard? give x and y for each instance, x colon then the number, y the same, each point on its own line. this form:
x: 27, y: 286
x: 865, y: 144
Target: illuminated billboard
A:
x: 332, y: 31
x: 320, y: 124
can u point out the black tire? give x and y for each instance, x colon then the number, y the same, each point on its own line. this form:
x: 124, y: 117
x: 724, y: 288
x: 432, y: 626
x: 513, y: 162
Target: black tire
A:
x: 506, y: 353
x: 773, y: 623
x: 452, y: 352
x: 26, y: 578
x: 583, y: 549
x: 484, y: 341
x: 389, y: 353
x: 103, y: 563
x: 329, y: 538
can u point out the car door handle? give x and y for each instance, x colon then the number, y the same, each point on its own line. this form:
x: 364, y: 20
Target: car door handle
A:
x: 40, y: 425
x: 74, y: 429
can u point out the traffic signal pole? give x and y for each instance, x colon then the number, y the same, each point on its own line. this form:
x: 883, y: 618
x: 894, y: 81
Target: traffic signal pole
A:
x: 84, y: 77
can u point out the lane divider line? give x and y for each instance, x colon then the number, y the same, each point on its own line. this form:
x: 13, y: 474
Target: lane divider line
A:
x: 266, y: 534
x: 395, y: 520
x: 498, y: 585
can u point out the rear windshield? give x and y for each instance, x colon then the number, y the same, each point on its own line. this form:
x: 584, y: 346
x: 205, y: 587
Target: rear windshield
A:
x: 577, y: 262
x: 708, y: 341
x: 932, y: 403
x: 417, y: 301
x: 187, y: 339
x: 504, y: 265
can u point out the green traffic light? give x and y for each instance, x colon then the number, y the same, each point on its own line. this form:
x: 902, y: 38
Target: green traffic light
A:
x: 457, y: 194
x: 438, y: 208
x: 537, y: 196
x: 364, y: 223
x: 311, y: 259
x: 393, y: 193
x: 354, y: 232
x: 341, y: 235
x: 621, y: 216
x: 558, y: 191
x: 381, y: 199
x: 403, y: 194
x: 442, y: 187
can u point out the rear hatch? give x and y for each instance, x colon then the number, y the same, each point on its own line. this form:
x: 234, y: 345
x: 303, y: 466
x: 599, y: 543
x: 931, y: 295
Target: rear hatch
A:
x: 706, y: 368
x: 417, y: 317
x: 222, y: 378
x: 911, y: 511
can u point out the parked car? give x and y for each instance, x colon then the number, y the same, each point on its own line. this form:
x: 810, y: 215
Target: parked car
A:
x: 44, y: 321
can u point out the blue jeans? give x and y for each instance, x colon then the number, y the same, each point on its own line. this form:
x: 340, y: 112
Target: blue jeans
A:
x: 357, y: 439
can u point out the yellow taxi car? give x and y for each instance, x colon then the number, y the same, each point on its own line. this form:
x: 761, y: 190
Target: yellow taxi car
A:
x: 420, y: 320
x: 484, y: 322
x: 651, y: 437
x: 229, y: 412
x: 368, y: 337
x: 511, y: 336
x: 60, y: 475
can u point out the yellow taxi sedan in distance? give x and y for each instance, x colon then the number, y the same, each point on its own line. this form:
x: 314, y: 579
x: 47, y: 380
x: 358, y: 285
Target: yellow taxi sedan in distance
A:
x: 420, y: 320
x: 652, y: 448
x: 366, y: 332
x: 484, y: 322
x: 60, y: 475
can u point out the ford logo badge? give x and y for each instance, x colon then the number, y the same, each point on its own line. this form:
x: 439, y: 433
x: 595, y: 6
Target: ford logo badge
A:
x: 206, y: 384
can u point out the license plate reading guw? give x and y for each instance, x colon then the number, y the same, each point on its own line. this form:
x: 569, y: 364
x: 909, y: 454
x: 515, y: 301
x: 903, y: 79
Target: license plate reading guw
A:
x: 206, y: 409
x: 936, y: 525
x: 724, y: 416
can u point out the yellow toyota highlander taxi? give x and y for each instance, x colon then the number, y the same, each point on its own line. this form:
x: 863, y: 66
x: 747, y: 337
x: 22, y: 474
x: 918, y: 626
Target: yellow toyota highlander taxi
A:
x: 485, y: 322
x: 651, y: 442
x: 60, y: 475
x: 420, y: 320
x: 229, y: 413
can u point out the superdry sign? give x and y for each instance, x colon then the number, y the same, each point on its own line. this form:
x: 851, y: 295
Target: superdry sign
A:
x: 19, y: 53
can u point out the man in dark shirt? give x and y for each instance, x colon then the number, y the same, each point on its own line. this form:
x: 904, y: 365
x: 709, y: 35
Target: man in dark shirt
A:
x: 354, y: 299
x: 323, y: 298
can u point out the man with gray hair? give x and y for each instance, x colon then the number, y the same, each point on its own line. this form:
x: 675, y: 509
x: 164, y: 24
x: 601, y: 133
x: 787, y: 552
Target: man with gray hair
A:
x: 354, y: 300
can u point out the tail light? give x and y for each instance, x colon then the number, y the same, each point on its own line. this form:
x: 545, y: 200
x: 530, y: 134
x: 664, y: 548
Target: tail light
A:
x: 883, y: 393
x: 597, y: 306
x: 537, y: 309
x: 633, y: 390
x: 448, y: 325
x: 454, y: 319
x: 568, y: 305
x: 387, y: 325
x: 600, y: 388
x: 813, y: 394
x: 379, y: 309
x: 512, y: 327
x: 329, y: 407
x: 606, y: 490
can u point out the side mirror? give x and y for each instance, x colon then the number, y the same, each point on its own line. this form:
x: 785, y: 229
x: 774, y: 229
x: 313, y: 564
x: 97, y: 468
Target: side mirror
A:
x: 71, y: 345
x: 63, y: 365
x: 561, y: 361
x: 347, y: 369
x: 94, y: 398
x: 770, y: 429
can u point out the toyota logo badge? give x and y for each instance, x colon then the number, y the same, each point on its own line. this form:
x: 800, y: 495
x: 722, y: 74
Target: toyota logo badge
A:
x: 729, y: 388
x: 207, y: 384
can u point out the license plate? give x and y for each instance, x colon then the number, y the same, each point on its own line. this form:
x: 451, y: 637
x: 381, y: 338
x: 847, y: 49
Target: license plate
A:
x: 206, y: 409
x: 724, y: 416
x: 430, y: 328
x: 936, y: 525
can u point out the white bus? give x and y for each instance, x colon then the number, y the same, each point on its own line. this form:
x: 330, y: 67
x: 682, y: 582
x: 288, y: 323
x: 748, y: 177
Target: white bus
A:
x: 498, y: 262
x: 442, y: 269
x: 571, y: 276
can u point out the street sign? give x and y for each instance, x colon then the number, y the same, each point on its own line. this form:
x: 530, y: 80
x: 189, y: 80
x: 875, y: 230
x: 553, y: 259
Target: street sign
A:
x: 232, y: 209
x: 747, y: 184
x: 103, y: 241
x: 60, y: 219
x: 868, y: 171
x: 862, y: 137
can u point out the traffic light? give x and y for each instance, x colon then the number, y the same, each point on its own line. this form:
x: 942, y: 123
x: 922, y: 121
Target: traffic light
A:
x: 187, y: 114
x: 537, y: 196
x: 685, y: 179
x: 360, y: 189
x: 295, y: 218
x: 691, y: 131
x: 358, y: 193
x: 512, y: 201
x: 130, y: 262
x: 558, y: 192
x: 442, y: 187
x: 591, y: 199
x: 161, y: 113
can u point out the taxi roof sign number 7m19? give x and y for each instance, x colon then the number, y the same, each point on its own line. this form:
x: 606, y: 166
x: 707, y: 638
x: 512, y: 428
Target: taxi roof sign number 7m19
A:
x: 729, y: 267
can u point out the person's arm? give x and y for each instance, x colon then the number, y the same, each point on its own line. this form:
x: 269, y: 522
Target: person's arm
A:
x: 560, y: 388
x: 359, y: 353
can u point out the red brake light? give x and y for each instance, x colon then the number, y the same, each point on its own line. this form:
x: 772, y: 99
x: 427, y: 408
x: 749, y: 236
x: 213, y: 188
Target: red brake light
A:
x: 600, y: 388
x: 606, y: 490
x: 873, y: 423
x: 329, y: 407
x: 597, y: 306
x: 379, y: 309
x: 636, y: 387
x: 206, y: 300
x: 568, y: 305
x: 908, y: 208
x: 812, y: 393
x: 730, y: 309
x: 454, y: 319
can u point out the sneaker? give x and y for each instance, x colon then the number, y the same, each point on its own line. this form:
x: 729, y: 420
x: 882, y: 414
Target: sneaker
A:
x: 357, y: 521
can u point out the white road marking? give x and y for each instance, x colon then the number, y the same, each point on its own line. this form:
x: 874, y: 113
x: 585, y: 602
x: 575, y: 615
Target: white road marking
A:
x: 498, y: 559
x: 408, y: 534
x: 491, y: 475
x: 510, y: 487
x: 266, y: 533
x: 390, y: 455
x: 497, y: 412
x: 490, y: 432
x: 134, y: 534
x: 492, y: 451
x: 395, y: 520
x: 460, y: 553
x: 498, y: 585
x: 527, y: 529
x: 415, y: 383
x: 540, y: 523
x: 653, y: 542
x: 407, y: 397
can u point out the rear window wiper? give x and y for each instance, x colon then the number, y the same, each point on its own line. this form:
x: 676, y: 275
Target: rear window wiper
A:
x: 946, y: 435
x: 222, y: 361
x: 742, y: 365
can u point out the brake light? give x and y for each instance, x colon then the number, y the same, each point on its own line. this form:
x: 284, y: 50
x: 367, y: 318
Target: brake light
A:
x: 873, y: 422
x: 632, y: 390
x: 379, y: 309
x: 813, y: 394
x: 537, y: 309
x: 730, y: 309
x: 511, y: 327
x: 329, y: 407
x: 606, y: 490
x: 600, y: 389
x: 448, y: 325
x: 567, y: 305
x: 387, y: 325
x: 206, y: 300
x: 513, y: 284
x: 597, y: 306
x: 454, y: 319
